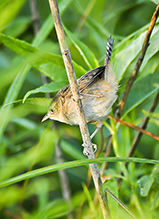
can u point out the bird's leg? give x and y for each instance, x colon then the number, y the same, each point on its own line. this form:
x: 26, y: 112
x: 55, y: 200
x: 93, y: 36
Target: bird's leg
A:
x: 85, y: 150
x: 99, y: 125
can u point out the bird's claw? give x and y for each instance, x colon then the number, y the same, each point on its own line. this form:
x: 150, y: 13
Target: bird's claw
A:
x: 86, y: 151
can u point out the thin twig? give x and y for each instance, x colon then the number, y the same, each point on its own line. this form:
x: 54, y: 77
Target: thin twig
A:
x: 82, y: 122
x: 135, y: 71
x: 64, y: 180
x: 121, y: 203
x: 35, y: 16
x: 36, y: 27
x: 139, y: 61
x: 86, y: 13
x: 139, y: 129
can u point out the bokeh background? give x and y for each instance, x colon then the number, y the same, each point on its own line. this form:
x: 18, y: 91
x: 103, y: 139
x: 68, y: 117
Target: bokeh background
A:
x: 32, y: 71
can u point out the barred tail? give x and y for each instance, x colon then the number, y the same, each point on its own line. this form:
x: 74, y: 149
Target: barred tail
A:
x: 109, y: 50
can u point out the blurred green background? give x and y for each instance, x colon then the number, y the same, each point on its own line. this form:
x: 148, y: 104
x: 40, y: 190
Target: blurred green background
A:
x: 32, y: 71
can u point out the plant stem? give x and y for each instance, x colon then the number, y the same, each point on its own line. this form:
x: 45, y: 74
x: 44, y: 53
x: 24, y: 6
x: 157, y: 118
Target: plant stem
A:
x: 82, y: 122
x: 139, y: 61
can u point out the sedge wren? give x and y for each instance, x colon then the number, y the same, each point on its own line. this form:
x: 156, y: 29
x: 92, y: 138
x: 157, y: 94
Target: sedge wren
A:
x: 97, y: 89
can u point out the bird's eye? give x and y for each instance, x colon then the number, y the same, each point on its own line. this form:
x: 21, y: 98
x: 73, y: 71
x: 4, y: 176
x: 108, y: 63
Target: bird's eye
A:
x: 52, y: 110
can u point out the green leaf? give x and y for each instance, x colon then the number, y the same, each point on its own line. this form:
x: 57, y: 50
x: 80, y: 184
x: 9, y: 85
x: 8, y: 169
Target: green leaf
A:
x: 70, y: 149
x: 9, y: 10
x: 31, y: 105
x: 84, y: 51
x: 155, y: 193
x: 140, y: 91
x: 153, y: 116
x: 11, y: 96
x: 46, y: 88
x: 49, y: 64
x: 126, y: 51
x: 44, y: 31
x: 155, y: 202
x: 145, y: 184
x: 113, y: 204
x: 72, y: 164
x: 19, y: 110
x: 20, y: 77
x: 150, y: 67
x: 90, y: 201
x: 49, y: 24
x: 33, y: 155
x: 8, y: 74
x: 102, y: 30
x: 18, y: 26
x: 155, y: 175
x: 155, y: 1
x: 153, y: 48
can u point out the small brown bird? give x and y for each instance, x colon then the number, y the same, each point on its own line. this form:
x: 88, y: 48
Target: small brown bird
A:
x: 97, y: 88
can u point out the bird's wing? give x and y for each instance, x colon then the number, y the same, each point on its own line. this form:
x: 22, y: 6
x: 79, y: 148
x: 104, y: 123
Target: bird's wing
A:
x: 88, y: 78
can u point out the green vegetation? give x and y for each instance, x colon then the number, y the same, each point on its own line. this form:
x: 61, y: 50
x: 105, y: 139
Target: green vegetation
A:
x: 31, y: 67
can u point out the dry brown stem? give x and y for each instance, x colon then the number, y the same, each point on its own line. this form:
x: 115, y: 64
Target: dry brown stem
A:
x: 139, y: 129
x: 82, y: 122
x: 139, y: 61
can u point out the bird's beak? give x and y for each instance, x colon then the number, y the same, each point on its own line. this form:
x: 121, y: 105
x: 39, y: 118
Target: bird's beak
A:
x: 45, y: 118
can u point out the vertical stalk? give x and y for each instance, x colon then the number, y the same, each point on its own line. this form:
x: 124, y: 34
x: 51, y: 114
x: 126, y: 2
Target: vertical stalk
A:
x: 88, y: 150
